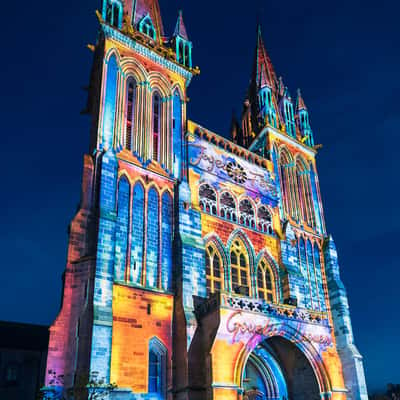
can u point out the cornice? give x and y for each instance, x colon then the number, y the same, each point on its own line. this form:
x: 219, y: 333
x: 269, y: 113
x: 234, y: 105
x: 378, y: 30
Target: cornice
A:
x: 286, y: 138
x: 111, y: 33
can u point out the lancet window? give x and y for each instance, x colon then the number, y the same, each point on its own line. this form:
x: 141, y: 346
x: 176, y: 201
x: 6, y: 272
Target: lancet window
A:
x: 156, y: 125
x: 227, y: 207
x: 208, y: 199
x: 240, y: 271
x: 112, y: 13
x: 286, y: 175
x: 310, y: 261
x: 122, y: 229
x: 157, y: 368
x: 297, y: 195
x: 181, y: 52
x: 214, y: 270
x: 246, y: 213
x: 130, y: 112
x: 264, y: 220
x: 266, y: 282
x: 153, y: 239
x: 305, y: 193
x: 146, y: 26
x: 110, y: 102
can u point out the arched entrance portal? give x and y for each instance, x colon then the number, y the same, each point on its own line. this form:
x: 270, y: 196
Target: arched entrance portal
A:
x: 277, y: 370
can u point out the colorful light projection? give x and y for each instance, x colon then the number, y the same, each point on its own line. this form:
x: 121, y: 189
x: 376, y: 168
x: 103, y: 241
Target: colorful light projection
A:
x: 168, y: 220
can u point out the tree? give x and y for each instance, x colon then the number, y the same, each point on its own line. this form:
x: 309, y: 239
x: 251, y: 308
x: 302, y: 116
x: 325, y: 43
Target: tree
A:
x: 89, y: 387
x: 393, y: 391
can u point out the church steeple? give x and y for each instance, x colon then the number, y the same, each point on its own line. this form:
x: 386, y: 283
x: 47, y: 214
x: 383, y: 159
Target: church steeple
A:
x: 262, y: 91
x: 269, y: 103
x: 264, y: 73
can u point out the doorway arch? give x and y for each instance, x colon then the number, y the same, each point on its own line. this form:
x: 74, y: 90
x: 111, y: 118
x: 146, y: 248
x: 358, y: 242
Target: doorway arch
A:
x: 276, y: 369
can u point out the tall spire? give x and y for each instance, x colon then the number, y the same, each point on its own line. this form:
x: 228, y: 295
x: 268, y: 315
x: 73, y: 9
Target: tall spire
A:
x: 180, y: 29
x: 300, y: 105
x: 264, y: 73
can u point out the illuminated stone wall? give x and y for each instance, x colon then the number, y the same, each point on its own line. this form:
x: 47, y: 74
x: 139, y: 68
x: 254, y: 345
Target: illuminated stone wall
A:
x: 194, y: 259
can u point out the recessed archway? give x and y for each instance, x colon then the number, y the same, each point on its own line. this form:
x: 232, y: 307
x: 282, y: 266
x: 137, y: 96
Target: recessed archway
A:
x: 278, y: 370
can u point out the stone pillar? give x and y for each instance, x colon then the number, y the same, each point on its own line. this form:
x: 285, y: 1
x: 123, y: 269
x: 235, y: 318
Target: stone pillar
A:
x: 104, y: 279
x: 353, y: 370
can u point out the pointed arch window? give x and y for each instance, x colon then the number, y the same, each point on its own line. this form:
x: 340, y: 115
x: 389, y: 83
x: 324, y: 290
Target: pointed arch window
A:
x: 177, y: 134
x: 156, y: 125
x: 240, y: 271
x: 166, y: 241
x: 286, y: 169
x: 157, y: 375
x: 146, y: 26
x: 110, y: 102
x: 122, y: 230
x: 186, y: 56
x: 227, y: 207
x: 208, y: 199
x: 137, y: 233
x: 214, y: 270
x: 264, y: 220
x: 181, y: 52
x: 112, y: 13
x: 266, y: 282
x: 305, y: 194
x: 153, y: 239
x: 246, y: 213
x: 318, y: 272
x: 130, y: 112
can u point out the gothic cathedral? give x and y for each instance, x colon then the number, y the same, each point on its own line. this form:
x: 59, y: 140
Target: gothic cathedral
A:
x: 198, y: 267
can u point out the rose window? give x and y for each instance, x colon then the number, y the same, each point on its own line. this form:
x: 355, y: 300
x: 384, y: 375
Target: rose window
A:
x: 236, y: 172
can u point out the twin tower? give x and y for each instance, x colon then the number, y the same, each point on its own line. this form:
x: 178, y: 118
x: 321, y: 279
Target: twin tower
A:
x: 198, y: 267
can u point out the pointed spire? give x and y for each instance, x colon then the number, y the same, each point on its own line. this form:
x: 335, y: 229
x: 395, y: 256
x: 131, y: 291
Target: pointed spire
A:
x: 234, y: 128
x: 286, y: 93
x: 300, y: 105
x: 264, y: 70
x: 180, y: 29
x: 281, y: 88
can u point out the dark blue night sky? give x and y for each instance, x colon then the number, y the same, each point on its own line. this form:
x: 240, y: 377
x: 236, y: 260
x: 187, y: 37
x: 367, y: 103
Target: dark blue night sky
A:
x: 345, y: 57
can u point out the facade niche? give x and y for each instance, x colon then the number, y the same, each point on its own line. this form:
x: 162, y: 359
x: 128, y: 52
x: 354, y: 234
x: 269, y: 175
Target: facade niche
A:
x: 264, y: 220
x: 208, y: 199
x: 246, y: 214
x: 227, y: 207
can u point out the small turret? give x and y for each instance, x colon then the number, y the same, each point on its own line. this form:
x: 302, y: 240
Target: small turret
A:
x: 235, y: 128
x: 183, y: 46
x: 286, y: 108
x: 112, y: 13
x: 264, y: 83
x: 303, y: 120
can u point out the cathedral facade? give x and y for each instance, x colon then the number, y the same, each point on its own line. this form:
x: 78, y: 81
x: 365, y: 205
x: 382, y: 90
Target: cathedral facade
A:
x: 198, y: 267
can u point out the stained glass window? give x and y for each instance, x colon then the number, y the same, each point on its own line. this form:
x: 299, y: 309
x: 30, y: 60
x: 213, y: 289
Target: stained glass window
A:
x: 214, y: 270
x: 240, y: 273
